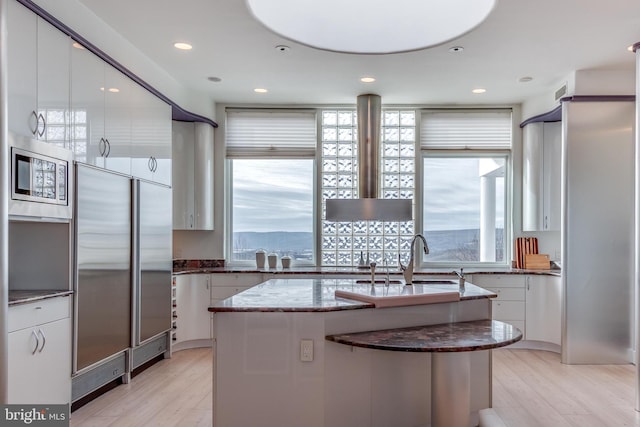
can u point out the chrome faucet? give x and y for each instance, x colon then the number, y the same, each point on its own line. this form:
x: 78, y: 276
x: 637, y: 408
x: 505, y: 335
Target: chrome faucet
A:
x: 407, y: 270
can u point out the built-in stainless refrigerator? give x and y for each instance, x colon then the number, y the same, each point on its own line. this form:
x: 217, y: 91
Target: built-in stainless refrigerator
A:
x: 103, y: 265
x: 123, y: 276
x: 598, y: 230
x: 152, y: 266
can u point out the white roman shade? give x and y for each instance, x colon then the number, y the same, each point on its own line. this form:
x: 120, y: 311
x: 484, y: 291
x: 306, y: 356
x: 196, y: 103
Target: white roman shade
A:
x: 466, y: 129
x: 270, y: 133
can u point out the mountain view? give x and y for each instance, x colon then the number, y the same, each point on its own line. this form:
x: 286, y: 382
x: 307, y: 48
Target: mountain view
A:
x: 444, y: 245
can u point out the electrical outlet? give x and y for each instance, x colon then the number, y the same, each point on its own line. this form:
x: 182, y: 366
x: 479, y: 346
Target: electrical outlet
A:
x: 306, y: 350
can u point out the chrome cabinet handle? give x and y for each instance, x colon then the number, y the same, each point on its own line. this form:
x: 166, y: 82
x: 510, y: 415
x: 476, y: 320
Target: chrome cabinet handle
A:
x: 37, y: 341
x: 44, y: 125
x: 34, y: 130
x: 102, y: 147
x: 108, y: 147
x: 152, y: 164
x: 191, y: 221
x: 44, y: 340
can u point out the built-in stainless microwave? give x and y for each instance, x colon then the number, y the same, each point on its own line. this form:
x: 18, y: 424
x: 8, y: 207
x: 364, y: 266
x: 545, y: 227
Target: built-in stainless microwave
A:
x: 39, y: 179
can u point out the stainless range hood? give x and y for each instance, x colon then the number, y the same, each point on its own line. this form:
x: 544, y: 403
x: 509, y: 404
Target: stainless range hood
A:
x: 368, y: 206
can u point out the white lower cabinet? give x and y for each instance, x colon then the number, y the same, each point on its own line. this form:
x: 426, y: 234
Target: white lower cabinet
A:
x: 226, y: 285
x: 543, y: 311
x: 193, y: 292
x: 509, y: 306
x: 530, y: 302
x: 40, y: 352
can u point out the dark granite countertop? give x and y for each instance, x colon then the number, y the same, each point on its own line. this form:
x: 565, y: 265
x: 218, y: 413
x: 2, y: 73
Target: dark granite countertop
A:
x: 446, y: 337
x: 301, y: 270
x: 22, y: 297
x: 318, y: 295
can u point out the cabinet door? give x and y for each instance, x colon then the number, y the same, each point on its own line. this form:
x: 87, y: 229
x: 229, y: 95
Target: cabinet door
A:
x: 183, y: 175
x: 192, y: 307
x: 54, y: 56
x: 87, y: 106
x: 203, y: 177
x: 532, y: 158
x: 551, y: 181
x: 44, y: 376
x: 543, y: 312
x: 118, y: 90
x: 22, y: 70
x: 151, y: 137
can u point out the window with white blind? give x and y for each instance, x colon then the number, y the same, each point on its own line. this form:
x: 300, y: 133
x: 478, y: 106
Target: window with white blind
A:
x: 466, y: 129
x: 271, y: 133
x: 465, y: 169
x: 271, y: 168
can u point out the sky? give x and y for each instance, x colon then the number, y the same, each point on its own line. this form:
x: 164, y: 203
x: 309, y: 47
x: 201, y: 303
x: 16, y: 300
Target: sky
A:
x: 277, y: 194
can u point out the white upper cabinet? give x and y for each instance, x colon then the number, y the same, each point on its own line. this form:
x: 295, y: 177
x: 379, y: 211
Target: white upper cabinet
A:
x: 192, y: 176
x: 541, y: 177
x: 101, y: 119
x: 38, y: 77
x: 151, y: 137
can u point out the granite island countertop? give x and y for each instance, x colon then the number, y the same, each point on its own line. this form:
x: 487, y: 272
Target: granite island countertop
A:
x: 318, y: 295
x: 441, y: 338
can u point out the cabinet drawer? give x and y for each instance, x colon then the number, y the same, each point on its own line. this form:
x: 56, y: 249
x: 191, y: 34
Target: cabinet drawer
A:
x: 508, y: 310
x: 223, y: 292
x: 38, y: 312
x: 233, y: 280
x: 499, y: 280
x: 508, y: 294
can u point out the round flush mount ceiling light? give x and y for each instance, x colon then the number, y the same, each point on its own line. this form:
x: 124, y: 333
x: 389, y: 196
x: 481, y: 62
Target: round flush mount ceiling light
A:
x: 362, y: 26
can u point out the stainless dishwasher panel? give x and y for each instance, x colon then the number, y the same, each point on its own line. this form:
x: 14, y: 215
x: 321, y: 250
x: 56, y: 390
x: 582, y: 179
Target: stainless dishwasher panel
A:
x: 153, y: 278
x: 103, y: 265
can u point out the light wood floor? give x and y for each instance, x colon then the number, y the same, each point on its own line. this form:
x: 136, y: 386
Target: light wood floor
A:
x: 173, y: 392
x: 530, y: 388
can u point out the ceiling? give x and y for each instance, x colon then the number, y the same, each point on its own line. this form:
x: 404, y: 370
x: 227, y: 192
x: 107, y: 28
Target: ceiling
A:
x: 542, y: 39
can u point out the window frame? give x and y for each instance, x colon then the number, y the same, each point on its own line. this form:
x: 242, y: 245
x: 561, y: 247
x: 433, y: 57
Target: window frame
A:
x: 507, y: 155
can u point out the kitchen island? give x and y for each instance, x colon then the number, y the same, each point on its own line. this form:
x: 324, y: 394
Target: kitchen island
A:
x: 260, y: 377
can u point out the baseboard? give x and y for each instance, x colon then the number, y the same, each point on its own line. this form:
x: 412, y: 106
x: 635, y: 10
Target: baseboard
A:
x: 185, y: 345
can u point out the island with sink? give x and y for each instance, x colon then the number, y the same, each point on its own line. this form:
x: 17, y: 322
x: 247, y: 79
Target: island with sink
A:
x: 347, y: 352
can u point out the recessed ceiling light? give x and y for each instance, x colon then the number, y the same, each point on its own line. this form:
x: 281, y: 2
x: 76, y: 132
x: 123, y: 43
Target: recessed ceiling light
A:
x: 214, y: 79
x: 283, y: 48
x: 77, y: 45
x: 456, y: 49
x: 260, y: 90
x: 182, y: 46
x: 479, y: 90
x: 360, y: 28
x: 114, y: 90
x: 367, y: 80
x: 525, y: 79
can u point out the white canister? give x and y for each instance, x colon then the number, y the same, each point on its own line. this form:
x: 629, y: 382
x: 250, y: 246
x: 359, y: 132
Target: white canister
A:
x: 286, y: 261
x: 273, y: 260
x: 261, y: 257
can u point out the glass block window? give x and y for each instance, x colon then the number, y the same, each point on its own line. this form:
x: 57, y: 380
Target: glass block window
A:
x: 343, y: 243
